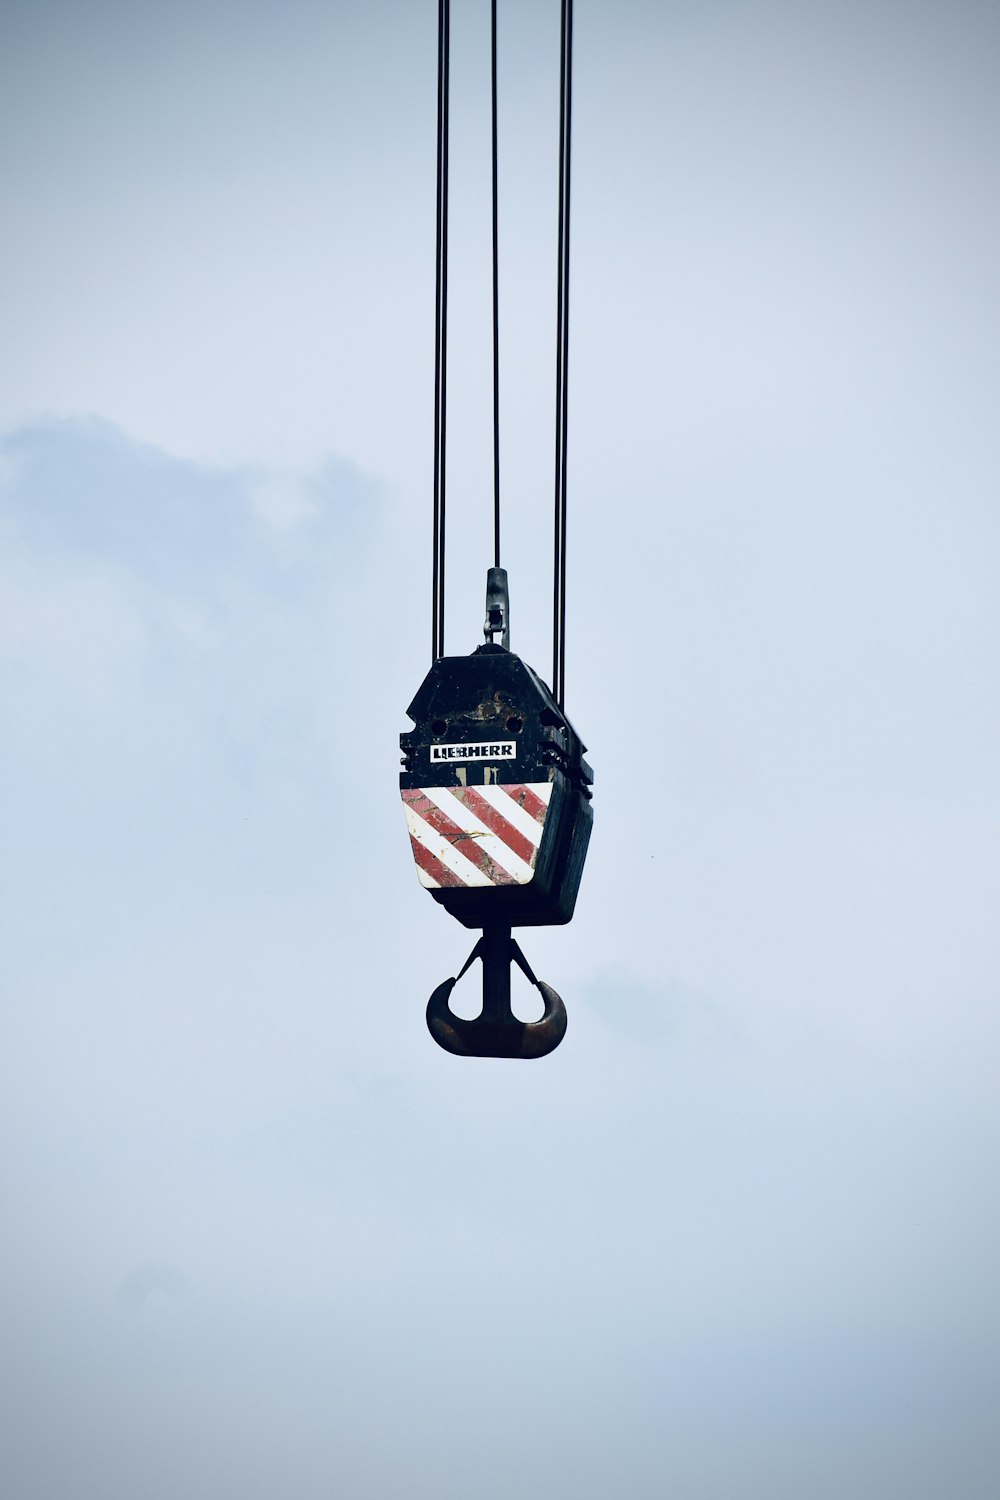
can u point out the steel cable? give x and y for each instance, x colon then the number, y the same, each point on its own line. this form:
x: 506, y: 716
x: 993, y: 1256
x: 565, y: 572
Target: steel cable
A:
x: 562, y: 357
x: 440, y: 334
x: 496, y: 300
x: 562, y: 337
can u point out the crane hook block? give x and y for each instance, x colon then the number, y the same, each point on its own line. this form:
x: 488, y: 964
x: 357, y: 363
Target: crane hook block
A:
x: 495, y: 788
x: 497, y: 799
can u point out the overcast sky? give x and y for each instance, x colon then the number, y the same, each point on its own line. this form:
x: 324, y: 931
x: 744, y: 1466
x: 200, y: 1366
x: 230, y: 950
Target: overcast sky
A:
x: 738, y: 1237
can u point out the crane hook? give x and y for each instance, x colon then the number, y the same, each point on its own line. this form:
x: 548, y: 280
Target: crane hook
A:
x: 496, y: 1031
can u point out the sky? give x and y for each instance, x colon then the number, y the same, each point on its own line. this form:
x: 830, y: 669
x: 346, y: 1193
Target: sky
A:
x: 738, y: 1236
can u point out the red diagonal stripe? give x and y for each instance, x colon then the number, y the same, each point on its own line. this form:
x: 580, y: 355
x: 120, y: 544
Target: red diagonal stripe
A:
x: 497, y: 823
x: 529, y: 800
x: 462, y: 841
x: 442, y: 824
x: 432, y: 866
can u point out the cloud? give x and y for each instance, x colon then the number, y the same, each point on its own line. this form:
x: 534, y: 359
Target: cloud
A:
x: 736, y: 1234
x: 132, y: 580
x: 144, y: 1281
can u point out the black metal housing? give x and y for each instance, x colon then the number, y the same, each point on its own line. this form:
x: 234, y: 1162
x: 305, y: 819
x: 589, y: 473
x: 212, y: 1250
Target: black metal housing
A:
x: 493, y: 697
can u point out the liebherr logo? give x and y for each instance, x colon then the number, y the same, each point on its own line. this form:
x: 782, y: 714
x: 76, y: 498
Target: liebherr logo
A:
x: 485, y: 750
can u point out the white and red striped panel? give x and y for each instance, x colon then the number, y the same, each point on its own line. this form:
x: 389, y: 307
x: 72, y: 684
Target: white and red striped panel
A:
x: 476, y: 835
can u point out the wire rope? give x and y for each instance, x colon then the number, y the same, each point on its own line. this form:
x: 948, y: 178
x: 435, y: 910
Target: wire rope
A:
x: 440, y: 333
x: 496, y: 299
x: 562, y: 336
x: 562, y: 356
